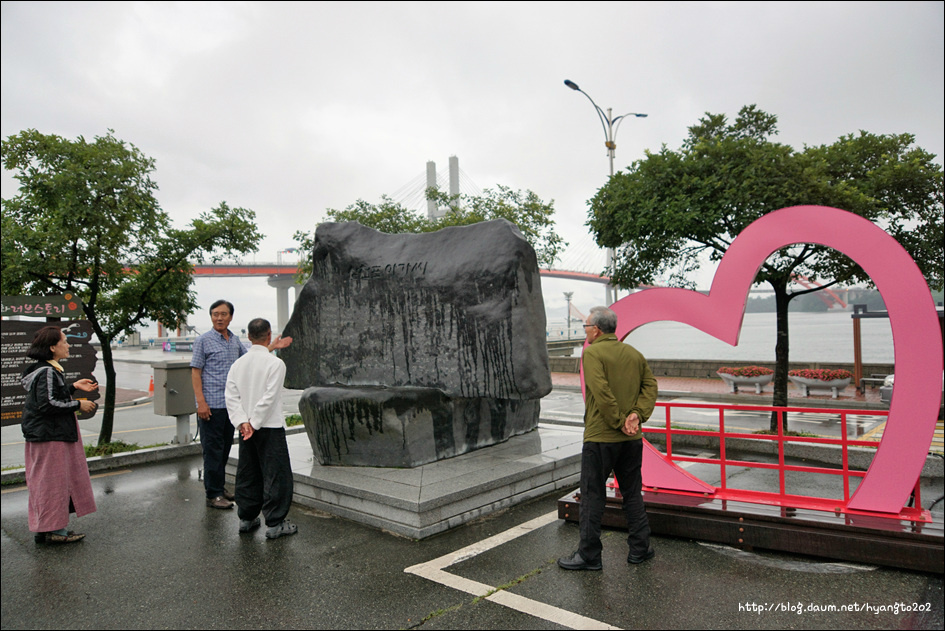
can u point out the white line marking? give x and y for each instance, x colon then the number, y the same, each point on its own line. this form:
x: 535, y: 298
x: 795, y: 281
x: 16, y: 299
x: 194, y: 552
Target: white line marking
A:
x: 434, y: 571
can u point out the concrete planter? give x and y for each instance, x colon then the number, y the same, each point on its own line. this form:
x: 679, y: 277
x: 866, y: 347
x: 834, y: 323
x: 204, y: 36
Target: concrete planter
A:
x: 835, y: 385
x: 733, y: 381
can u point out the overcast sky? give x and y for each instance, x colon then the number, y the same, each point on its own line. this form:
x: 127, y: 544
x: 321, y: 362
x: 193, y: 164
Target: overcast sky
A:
x: 292, y: 108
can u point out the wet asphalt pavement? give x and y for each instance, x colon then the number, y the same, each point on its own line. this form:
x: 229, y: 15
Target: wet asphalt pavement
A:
x: 156, y: 557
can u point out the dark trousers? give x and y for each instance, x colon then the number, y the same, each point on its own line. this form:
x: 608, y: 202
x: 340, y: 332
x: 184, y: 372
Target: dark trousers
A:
x: 216, y: 438
x: 597, y: 461
x: 264, y: 476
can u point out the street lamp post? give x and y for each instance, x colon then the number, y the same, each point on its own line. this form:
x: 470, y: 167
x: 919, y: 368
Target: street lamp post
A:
x: 610, y: 124
x: 567, y: 296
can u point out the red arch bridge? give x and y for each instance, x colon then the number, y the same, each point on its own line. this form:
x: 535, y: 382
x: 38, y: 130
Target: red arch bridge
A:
x: 282, y: 276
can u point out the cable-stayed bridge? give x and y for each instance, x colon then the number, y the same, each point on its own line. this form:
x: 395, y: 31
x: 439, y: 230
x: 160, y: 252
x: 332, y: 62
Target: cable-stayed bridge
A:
x: 581, y: 260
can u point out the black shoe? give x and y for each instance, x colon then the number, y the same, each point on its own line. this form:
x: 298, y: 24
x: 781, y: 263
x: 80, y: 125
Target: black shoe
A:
x: 646, y: 556
x: 249, y: 525
x: 577, y: 562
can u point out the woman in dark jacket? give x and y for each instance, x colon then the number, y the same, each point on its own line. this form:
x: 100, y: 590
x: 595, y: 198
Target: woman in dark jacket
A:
x: 57, y: 473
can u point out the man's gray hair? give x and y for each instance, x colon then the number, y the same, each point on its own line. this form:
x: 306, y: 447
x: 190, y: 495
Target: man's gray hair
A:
x: 604, y: 319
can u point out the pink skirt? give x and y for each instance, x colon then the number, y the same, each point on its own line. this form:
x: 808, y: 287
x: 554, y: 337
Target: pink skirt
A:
x: 57, y: 472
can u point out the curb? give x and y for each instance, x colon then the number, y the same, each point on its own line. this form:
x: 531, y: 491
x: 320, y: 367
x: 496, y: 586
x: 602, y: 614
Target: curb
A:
x: 131, y: 458
x: 134, y: 402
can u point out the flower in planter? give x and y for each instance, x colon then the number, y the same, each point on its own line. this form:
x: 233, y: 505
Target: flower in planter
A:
x: 746, y: 371
x: 821, y: 374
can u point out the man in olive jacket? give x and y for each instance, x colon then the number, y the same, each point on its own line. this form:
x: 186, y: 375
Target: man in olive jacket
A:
x: 620, y: 393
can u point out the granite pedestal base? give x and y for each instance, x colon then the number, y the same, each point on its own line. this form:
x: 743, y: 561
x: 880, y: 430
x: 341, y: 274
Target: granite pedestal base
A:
x: 406, y: 426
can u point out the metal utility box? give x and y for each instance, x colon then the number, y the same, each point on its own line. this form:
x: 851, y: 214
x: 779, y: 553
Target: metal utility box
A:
x: 173, y: 388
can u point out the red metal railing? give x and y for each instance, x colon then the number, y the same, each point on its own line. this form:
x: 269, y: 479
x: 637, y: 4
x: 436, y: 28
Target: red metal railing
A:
x: 782, y: 498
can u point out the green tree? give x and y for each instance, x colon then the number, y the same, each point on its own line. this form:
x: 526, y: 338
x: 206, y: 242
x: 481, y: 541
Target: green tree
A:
x: 86, y: 222
x: 388, y: 216
x: 667, y: 210
x: 523, y: 208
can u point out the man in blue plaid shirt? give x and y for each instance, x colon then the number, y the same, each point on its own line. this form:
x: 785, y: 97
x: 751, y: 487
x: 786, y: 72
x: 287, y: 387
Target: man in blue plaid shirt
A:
x: 214, y: 353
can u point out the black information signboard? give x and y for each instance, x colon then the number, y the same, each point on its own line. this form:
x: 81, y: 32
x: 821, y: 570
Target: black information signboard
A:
x: 16, y: 337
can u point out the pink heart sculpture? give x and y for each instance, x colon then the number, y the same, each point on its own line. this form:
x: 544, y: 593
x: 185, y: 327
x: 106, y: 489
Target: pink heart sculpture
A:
x: 917, y: 340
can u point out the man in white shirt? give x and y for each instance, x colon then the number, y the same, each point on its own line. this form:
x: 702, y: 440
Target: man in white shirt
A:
x: 254, y: 403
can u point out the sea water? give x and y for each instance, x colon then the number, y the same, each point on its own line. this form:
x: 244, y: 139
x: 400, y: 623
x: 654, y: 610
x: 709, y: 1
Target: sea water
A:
x: 813, y: 337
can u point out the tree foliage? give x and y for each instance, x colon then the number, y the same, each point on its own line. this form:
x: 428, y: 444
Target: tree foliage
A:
x: 86, y: 222
x: 523, y: 208
x: 388, y: 216
x: 672, y: 207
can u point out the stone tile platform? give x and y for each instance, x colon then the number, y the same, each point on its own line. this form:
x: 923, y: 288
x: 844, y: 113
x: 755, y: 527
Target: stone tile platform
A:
x: 429, y: 499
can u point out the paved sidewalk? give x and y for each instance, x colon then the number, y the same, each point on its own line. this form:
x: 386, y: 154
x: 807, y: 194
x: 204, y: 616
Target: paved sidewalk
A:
x: 699, y: 387
x: 678, y: 386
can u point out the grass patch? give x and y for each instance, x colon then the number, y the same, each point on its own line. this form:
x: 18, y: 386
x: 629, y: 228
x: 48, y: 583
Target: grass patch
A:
x: 115, y: 447
x: 789, y: 433
x: 14, y: 481
x: 512, y: 583
x: 435, y: 614
x: 293, y: 419
x: 691, y: 428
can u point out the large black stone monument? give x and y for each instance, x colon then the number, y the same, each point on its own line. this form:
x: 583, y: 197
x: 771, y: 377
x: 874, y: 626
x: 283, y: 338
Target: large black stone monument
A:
x: 417, y: 347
